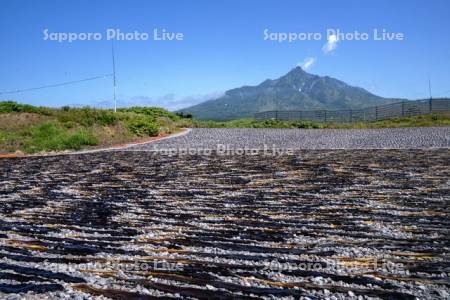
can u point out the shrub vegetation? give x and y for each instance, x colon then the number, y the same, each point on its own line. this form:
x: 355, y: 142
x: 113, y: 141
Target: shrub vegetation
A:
x: 34, y: 129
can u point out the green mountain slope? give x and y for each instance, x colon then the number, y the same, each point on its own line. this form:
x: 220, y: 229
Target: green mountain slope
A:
x: 297, y: 90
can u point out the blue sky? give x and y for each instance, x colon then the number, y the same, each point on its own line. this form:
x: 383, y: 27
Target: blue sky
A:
x: 223, y: 48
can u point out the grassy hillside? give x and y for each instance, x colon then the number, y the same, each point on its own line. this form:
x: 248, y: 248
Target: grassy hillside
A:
x: 33, y: 129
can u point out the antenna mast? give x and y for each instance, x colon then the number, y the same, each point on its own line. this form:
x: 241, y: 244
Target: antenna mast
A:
x: 429, y: 87
x: 114, y: 78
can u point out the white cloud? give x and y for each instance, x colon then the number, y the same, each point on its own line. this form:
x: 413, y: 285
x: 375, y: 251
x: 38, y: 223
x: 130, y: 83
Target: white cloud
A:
x: 331, y: 44
x: 307, y: 63
x: 168, y: 101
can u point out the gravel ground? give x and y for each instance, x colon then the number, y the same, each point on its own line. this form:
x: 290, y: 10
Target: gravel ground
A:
x: 388, y: 138
x: 315, y: 224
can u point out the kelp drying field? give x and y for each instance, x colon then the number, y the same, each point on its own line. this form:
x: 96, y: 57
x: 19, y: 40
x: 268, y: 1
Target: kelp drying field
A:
x: 320, y: 224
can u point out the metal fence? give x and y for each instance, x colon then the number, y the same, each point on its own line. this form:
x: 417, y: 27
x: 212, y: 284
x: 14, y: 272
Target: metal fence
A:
x: 384, y: 112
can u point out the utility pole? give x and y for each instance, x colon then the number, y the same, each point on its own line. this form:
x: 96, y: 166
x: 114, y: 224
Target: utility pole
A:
x: 114, y: 78
x: 431, y: 98
x: 429, y: 87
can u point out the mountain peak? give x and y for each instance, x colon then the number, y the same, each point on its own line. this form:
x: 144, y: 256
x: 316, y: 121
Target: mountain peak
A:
x: 296, y: 70
x: 296, y: 90
x: 295, y: 76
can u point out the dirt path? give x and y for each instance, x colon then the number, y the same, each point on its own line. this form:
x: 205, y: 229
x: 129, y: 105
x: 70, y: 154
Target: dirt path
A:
x: 256, y: 138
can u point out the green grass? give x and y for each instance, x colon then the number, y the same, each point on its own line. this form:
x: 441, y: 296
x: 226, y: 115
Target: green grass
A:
x: 47, y: 137
x: 11, y: 106
x: 33, y: 129
x: 141, y: 126
x: 153, y: 112
x: 86, y: 116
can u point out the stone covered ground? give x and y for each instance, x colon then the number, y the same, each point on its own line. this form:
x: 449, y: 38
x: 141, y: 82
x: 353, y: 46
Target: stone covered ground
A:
x: 318, y: 224
x: 260, y: 138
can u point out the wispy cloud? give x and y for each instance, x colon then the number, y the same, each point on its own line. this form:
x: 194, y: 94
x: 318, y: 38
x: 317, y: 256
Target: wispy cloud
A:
x: 187, y: 101
x: 307, y: 63
x: 168, y: 101
x: 331, y: 44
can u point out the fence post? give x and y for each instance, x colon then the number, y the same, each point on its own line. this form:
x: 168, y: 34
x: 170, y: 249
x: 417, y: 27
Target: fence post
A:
x: 351, y: 116
x: 376, y: 113
x: 403, y: 108
x: 431, y: 105
x: 325, y: 116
